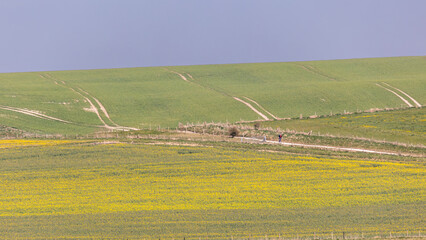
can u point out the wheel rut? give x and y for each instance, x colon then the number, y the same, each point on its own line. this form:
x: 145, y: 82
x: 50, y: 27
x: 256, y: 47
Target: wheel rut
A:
x: 411, y: 98
x: 396, y: 94
x: 33, y: 113
x: 250, y: 106
x: 91, y: 100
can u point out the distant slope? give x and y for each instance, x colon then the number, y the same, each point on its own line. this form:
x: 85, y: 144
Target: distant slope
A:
x: 94, y: 100
x: 403, y: 126
x: 291, y: 89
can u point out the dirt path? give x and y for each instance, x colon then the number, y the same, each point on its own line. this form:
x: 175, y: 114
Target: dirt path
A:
x: 33, y: 113
x: 84, y: 94
x: 189, y: 75
x: 251, y: 100
x: 412, y: 99
x: 344, y: 149
x: 179, y: 74
x: 103, y: 109
x: 252, y: 108
x: 226, y: 94
x: 396, y: 94
x: 94, y: 109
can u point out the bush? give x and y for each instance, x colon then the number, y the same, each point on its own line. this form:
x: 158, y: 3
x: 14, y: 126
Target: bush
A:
x: 233, y: 131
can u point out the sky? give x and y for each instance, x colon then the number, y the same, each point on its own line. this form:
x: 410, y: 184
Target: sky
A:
x: 48, y: 35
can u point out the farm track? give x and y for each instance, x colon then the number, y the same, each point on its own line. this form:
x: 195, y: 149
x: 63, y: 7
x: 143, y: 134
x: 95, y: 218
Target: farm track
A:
x: 228, y: 95
x: 103, y: 109
x: 251, y: 100
x: 396, y: 94
x: 189, y: 75
x: 252, y: 108
x: 32, y: 113
x: 93, y: 108
x: 179, y: 74
x: 173, y: 142
x: 342, y: 149
x: 412, y: 99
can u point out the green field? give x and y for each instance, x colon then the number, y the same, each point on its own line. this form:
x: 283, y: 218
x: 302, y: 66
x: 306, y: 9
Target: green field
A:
x: 157, y: 96
x: 67, y: 170
x: 83, y: 189
x: 403, y: 126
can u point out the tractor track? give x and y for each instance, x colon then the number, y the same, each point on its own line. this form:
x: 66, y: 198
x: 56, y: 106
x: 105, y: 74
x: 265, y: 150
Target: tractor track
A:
x: 396, y: 94
x: 33, y: 113
x: 250, y: 106
x: 93, y: 108
x: 411, y: 98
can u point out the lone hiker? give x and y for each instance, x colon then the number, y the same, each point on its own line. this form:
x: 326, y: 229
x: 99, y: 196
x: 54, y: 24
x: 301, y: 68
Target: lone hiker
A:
x: 280, y: 137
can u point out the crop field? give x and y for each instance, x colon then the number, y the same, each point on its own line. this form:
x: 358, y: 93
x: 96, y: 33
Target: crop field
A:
x: 318, y: 87
x: 70, y: 102
x: 89, y: 189
x: 402, y: 126
x: 89, y: 154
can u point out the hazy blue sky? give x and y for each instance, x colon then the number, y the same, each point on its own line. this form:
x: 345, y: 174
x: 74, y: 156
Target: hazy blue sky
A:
x: 85, y: 34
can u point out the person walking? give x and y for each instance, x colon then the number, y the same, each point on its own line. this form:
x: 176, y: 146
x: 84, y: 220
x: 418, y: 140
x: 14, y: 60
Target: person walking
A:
x: 280, y: 137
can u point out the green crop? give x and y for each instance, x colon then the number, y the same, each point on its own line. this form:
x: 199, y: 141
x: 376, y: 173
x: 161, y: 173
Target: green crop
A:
x: 144, y: 97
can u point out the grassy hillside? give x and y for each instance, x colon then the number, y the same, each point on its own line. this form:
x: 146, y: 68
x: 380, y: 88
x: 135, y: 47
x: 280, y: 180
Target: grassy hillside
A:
x: 143, y: 97
x: 402, y: 126
x: 290, y: 89
x: 84, y: 189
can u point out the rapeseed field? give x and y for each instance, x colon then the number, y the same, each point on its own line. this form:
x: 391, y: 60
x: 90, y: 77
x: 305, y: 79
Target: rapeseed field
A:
x: 14, y: 143
x: 205, y: 178
x: 172, y: 191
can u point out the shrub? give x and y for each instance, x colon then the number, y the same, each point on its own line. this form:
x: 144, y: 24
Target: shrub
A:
x: 233, y: 131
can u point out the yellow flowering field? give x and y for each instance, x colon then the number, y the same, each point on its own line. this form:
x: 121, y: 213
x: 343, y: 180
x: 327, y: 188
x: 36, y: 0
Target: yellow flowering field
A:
x: 70, y: 179
x: 13, y: 143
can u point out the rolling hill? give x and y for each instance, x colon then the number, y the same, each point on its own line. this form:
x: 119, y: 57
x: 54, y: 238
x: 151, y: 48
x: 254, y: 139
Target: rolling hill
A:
x: 86, y: 101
